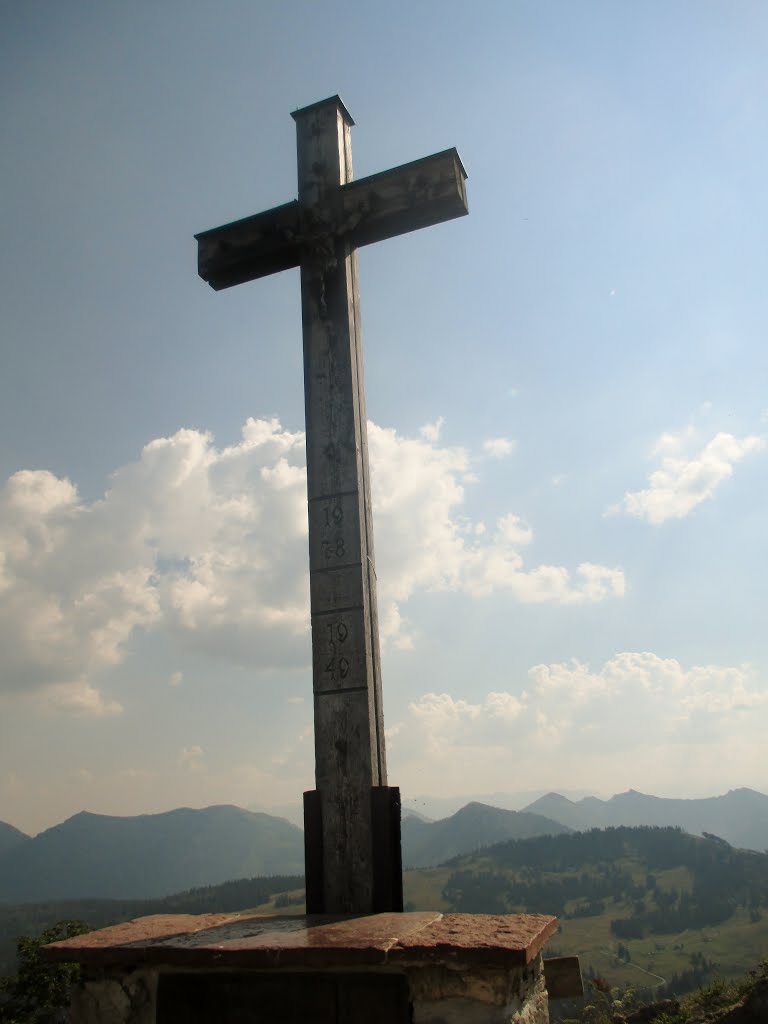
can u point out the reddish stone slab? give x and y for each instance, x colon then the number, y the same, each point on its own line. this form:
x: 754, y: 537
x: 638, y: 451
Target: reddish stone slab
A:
x: 156, y: 927
x: 319, y: 941
x: 513, y: 939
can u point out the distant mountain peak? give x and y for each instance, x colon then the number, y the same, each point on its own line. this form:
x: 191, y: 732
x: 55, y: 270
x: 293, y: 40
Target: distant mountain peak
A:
x: 739, y: 816
x: 10, y: 836
x: 107, y: 856
x: 473, y: 826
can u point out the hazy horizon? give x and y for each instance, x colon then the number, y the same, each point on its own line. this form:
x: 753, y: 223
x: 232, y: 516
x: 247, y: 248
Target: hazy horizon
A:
x: 432, y: 806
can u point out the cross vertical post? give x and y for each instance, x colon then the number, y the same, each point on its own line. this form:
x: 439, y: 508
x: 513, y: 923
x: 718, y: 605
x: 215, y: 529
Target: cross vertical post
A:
x: 349, y: 729
x: 352, y: 818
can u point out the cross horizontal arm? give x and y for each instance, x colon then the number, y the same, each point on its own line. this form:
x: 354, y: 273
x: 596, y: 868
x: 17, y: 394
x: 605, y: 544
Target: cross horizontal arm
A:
x: 253, y: 247
x: 414, y: 195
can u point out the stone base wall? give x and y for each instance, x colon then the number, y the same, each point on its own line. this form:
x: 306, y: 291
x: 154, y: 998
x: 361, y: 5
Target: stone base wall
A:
x: 444, y: 995
x: 437, y: 994
x: 115, y: 998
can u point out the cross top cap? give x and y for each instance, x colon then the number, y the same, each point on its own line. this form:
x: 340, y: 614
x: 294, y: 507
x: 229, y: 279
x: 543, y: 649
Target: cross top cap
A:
x: 332, y: 101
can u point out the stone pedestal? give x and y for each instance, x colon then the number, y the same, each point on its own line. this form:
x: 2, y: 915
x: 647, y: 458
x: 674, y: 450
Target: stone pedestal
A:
x: 427, y: 968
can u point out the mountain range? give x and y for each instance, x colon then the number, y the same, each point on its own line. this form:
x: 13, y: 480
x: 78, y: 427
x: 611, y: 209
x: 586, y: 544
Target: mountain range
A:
x: 477, y: 825
x: 739, y: 816
x: 97, y: 855
x: 152, y: 855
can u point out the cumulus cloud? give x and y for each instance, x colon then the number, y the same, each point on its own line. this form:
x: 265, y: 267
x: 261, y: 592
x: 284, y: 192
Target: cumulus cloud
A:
x: 711, y: 688
x: 685, y: 478
x: 424, y: 543
x: 498, y: 447
x: 72, y: 589
x: 209, y: 545
x: 571, y: 715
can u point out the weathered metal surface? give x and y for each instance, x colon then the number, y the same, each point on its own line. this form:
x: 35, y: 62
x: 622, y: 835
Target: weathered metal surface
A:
x: 387, y: 849
x: 415, y: 195
x: 313, y: 854
x: 250, y: 248
x: 320, y: 233
x: 349, y: 734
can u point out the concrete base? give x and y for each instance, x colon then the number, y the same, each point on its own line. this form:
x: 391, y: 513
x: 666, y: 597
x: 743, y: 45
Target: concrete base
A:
x: 382, y: 969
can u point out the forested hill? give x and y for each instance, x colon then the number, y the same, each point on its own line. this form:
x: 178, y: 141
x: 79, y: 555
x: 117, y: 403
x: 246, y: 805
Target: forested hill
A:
x: 652, y: 908
x: 632, y: 870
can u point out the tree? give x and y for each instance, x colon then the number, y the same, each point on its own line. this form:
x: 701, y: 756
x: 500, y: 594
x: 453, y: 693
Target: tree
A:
x: 38, y: 989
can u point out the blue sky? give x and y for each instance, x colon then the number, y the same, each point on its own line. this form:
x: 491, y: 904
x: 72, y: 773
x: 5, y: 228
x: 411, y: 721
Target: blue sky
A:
x: 566, y: 389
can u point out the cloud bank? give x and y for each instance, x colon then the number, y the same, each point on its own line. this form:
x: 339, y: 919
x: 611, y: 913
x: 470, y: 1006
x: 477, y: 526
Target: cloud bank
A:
x: 637, y: 717
x: 209, y: 544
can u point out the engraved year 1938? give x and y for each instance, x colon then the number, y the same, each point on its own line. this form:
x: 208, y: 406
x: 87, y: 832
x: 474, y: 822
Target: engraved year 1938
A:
x: 333, y: 516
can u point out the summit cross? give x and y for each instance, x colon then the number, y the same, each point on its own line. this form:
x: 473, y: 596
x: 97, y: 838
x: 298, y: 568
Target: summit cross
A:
x: 352, y: 818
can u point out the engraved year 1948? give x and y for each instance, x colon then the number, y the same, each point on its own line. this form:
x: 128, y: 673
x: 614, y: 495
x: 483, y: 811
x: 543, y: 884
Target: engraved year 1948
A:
x: 338, y: 666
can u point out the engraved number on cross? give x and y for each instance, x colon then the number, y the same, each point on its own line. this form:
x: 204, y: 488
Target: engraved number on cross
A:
x: 334, y: 515
x: 338, y: 666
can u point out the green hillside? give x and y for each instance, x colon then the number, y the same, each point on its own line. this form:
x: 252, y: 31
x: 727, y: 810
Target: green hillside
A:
x: 654, y: 908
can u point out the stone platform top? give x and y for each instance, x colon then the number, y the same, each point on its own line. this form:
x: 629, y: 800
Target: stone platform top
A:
x: 313, y: 941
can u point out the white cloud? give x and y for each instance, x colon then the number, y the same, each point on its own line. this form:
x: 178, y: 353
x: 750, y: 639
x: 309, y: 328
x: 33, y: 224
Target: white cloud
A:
x: 72, y: 585
x: 209, y: 545
x: 431, y: 431
x: 685, y: 479
x: 636, y: 717
x: 418, y: 490
x: 176, y: 679
x: 498, y: 447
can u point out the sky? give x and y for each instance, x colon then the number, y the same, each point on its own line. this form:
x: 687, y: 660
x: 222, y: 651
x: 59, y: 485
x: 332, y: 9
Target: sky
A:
x: 566, y: 390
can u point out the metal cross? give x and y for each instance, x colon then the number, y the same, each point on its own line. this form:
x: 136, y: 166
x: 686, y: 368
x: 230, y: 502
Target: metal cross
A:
x: 352, y: 819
